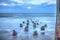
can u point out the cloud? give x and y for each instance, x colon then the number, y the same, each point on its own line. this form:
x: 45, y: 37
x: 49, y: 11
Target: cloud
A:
x: 11, y: 2
x: 28, y: 2
x: 51, y: 2
x: 39, y: 2
x: 34, y: 2
x: 5, y: 4
x: 18, y: 1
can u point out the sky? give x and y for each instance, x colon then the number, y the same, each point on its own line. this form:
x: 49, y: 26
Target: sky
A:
x: 27, y: 6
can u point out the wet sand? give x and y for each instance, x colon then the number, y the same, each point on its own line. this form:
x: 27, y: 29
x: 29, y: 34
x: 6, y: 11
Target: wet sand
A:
x: 5, y: 35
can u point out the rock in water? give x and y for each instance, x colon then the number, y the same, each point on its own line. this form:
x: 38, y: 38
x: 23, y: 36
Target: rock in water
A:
x: 21, y: 25
x: 27, y: 23
x: 37, y: 23
x: 32, y: 21
x: 34, y: 25
x: 14, y: 33
x: 43, y: 28
x: 26, y: 28
x: 23, y: 22
x: 35, y: 33
x: 40, y: 22
x: 45, y: 25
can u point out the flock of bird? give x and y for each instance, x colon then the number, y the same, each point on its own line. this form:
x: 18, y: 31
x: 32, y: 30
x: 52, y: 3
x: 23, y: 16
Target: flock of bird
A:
x: 27, y: 27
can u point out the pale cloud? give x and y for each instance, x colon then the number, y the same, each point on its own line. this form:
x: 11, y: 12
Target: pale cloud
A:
x: 39, y: 2
x: 28, y: 2
x: 18, y: 1
x: 34, y: 2
x: 51, y: 2
x: 4, y: 4
x: 12, y: 4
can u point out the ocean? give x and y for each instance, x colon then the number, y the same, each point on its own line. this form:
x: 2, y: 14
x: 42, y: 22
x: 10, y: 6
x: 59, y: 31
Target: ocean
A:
x: 10, y: 22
